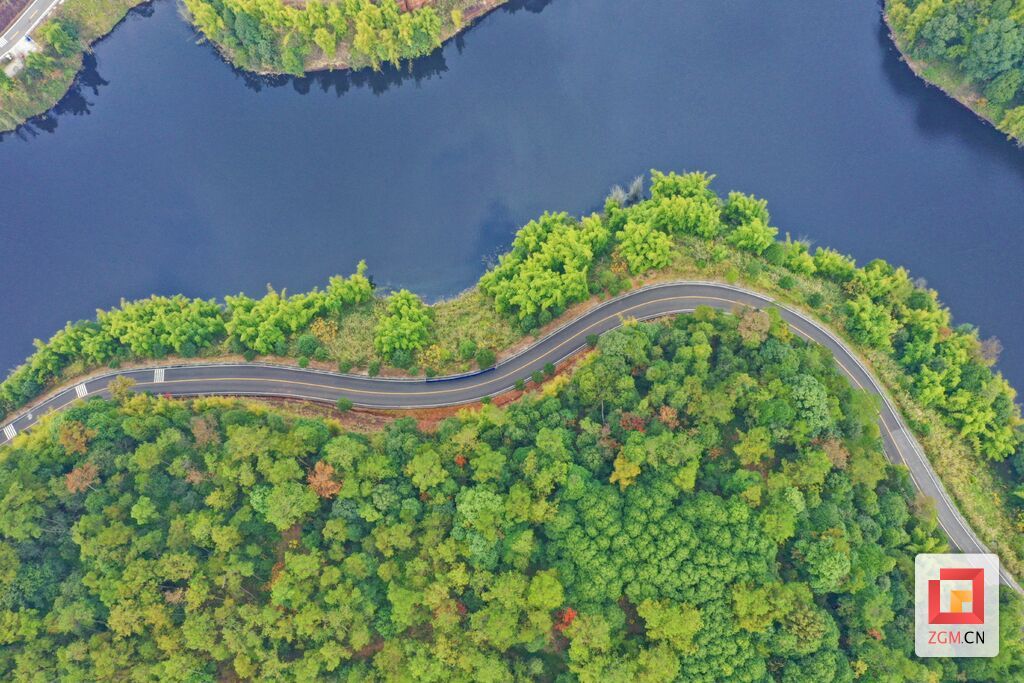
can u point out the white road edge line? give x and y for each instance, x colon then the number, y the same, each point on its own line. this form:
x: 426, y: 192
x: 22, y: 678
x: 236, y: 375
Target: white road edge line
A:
x: 901, y: 428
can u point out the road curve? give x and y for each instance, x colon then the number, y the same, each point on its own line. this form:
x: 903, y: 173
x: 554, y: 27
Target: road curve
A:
x: 255, y: 379
x: 25, y: 23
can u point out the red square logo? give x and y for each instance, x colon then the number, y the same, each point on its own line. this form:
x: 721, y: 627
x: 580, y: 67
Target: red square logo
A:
x: 964, y: 606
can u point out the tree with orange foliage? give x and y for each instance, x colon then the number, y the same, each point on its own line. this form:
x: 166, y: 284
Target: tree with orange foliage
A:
x: 81, y: 477
x: 668, y: 416
x: 204, y: 430
x: 633, y: 422
x: 565, y: 619
x: 321, y: 480
x: 75, y: 436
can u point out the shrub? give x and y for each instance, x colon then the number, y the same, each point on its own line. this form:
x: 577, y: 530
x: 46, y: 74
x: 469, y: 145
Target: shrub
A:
x: 308, y: 344
x: 401, y: 358
x: 485, y: 358
x: 404, y: 327
x: 467, y: 349
x: 755, y: 236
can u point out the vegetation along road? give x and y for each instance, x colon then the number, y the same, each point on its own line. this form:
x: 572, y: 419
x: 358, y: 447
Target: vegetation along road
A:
x: 23, y: 25
x: 253, y: 379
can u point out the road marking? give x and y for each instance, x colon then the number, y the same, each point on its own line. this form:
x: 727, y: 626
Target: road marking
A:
x: 10, y: 432
x: 517, y: 365
x: 81, y: 391
x: 3, y: 41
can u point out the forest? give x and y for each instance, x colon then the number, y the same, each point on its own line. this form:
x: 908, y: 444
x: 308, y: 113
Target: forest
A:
x: 705, y: 498
x: 551, y: 261
x: 977, y: 43
x: 680, y: 228
x: 272, y: 35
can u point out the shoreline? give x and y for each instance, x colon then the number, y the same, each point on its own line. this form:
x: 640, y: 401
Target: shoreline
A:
x: 917, y: 68
x: 478, y: 11
x: 42, y: 104
x: 978, y: 491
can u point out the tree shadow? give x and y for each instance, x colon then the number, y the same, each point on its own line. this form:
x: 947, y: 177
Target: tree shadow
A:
x: 532, y: 6
x: 75, y: 102
x: 380, y: 81
x: 342, y: 81
x: 937, y: 115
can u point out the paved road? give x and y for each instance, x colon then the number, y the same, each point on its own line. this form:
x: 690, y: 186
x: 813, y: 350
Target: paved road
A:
x: 254, y: 379
x: 26, y: 21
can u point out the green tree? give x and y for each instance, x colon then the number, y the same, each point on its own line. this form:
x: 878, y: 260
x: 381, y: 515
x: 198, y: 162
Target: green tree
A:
x: 642, y: 247
x: 405, y: 326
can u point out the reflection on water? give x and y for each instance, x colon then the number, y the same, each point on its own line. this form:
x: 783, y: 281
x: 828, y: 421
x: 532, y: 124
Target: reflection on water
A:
x: 342, y: 81
x: 380, y: 81
x: 939, y: 118
x: 76, y: 102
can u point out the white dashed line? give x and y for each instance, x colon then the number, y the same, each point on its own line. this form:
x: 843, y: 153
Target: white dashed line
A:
x: 10, y: 432
x: 81, y: 391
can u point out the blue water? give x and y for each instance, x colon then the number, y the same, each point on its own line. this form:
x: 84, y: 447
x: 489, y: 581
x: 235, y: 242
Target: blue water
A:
x: 167, y: 171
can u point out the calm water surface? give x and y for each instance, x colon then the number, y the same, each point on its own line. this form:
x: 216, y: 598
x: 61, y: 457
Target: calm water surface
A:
x: 167, y: 171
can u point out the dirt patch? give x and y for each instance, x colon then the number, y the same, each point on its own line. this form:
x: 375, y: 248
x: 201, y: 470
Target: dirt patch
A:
x: 366, y: 420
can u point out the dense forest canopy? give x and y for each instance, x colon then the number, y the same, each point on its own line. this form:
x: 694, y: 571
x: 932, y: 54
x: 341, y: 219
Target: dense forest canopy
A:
x: 705, y: 499
x: 981, y: 40
x: 279, y: 36
x: 557, y: 260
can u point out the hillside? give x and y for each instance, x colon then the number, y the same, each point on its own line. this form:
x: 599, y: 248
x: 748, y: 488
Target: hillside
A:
x: 705, y: 497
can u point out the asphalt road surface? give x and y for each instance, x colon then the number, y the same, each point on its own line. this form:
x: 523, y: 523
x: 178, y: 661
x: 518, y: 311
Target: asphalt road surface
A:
x: 255, y: 379
x: 26, y: 21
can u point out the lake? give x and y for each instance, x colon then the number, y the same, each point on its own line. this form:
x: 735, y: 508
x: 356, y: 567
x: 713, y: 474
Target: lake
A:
x: 167, y: 171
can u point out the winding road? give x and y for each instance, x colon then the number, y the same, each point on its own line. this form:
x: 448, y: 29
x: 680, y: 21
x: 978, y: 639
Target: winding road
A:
x: 255, y: 379
x: 25, y: 23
